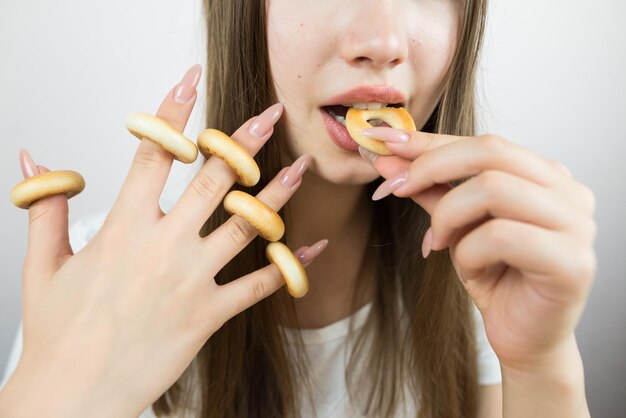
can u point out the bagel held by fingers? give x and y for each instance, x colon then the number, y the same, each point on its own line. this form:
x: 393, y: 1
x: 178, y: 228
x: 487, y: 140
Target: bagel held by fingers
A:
x: 357, y: 121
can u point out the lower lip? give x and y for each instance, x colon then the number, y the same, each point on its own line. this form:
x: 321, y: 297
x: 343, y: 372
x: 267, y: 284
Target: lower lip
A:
x: 339, y: 133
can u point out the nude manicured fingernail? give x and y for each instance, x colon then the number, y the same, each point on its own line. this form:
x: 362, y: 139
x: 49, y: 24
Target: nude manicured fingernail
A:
x: 387, y: 134
x: 186, y: 89
x: 308, y: 254
x: 368, y: 156
x: 428, y: 242
x: 29, y: 168
x: 295, y: 171
x: 390, y: 185
x: 266, y: 121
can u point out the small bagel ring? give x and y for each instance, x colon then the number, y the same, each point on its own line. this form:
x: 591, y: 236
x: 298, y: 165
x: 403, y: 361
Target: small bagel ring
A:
x: 215, y: 142
x: 357, y: 121
x: 266, y: 221
x: 290, y: 267
x: 47, y: 184
x: 144, y: 125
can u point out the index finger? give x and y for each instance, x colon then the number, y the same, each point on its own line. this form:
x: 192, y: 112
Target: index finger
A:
x: 418, y: 142
x: 152, y: 163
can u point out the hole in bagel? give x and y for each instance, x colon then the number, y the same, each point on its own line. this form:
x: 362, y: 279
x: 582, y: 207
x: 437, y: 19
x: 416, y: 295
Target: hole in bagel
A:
x: 377, y: 122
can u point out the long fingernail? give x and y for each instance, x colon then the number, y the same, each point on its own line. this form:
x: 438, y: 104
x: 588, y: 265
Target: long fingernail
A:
x: 428, y: 242
x: 29, y: 168
x: 266, y: 121
x: 186, y: 89
x: 390, y: 185
x: 368, y: 155
x: 387, y: 134
x: 295, y: 172
x: 307, y: 255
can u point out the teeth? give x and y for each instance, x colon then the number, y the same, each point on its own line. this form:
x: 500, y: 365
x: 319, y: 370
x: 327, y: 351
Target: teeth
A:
x: 364, y: 106
x: 340, y: 119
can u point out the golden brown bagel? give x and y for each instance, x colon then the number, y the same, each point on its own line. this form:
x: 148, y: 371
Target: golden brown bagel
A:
x: 357, y: 121
x: 290, y: 267
x: 215, y: 142
x: 145, y: 125
x: 47, y: 184
x: 266, y: 221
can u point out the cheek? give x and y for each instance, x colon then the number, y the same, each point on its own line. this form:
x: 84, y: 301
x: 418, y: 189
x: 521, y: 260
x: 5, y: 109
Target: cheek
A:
x: 434, y: 39
x: 293, y: 47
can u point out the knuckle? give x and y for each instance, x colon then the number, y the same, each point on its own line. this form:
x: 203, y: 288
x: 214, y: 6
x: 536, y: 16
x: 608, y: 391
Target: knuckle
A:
x: 582, y: 270
x: 239, y: 230
x: 37, y: 212
x: 259, y: 290
x: 590, y: 229
x: 272, y: 200
x: 148, y: 156
x: 205, y: 186
x: 588, y: 198
x: 491, y: 141
x: 429, y: 140
x: 492, y: 183
x: 561, y: 167
x: 497, y: 233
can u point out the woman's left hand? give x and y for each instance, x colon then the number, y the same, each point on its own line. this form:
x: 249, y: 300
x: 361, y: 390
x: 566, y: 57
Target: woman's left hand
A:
x: 520, y: 232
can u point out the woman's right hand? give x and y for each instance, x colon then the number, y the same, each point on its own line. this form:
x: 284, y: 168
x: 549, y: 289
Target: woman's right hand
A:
x: 106, y: 331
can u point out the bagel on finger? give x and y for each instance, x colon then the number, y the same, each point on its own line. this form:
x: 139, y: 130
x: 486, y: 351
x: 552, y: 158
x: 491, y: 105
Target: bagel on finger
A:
x: 290, y: 267
x: 47, y: 184
x: 215, y: 142
x: 264, y: 219
x: 145, y: 125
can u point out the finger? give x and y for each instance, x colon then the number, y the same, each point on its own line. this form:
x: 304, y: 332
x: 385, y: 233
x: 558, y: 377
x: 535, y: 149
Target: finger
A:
x: 547, y: 258
x: 48, y: 238
x: 561, y: 167
x: 417, y: 142
x: 236, y: 233
x: 215, y: 178
x: 500, y: 195
x: 463, y: 159
x: 151, y: 164
x: 240, y: 294
x: 392, y: 165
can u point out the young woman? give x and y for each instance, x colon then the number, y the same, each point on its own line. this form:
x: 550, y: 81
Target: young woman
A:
x: 152, y: 314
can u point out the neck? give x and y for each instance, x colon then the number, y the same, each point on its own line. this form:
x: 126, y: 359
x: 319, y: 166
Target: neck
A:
x: 320, y: 209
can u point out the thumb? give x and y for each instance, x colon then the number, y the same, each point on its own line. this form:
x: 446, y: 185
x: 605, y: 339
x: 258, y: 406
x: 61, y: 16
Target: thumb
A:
x: 48, y: 237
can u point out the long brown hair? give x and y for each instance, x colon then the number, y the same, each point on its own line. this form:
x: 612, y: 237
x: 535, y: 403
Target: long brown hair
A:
x: 245, y: 369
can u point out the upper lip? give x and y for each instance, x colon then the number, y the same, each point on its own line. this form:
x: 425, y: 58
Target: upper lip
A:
x: 368, y: 94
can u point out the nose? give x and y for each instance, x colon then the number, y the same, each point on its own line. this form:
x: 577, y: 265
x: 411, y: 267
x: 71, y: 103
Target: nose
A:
x: 375, y: 36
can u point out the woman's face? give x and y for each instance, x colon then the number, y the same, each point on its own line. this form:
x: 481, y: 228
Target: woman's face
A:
x: 321, y: 49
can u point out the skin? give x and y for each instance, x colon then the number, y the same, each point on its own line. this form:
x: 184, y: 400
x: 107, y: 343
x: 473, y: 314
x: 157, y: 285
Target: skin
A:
x: 528, y: 263
x: 531, y: 296
x: 316, y: 53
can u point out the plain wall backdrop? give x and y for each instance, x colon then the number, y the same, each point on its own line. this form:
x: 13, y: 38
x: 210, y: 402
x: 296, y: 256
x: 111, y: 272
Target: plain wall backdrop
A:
x: 553, y: 79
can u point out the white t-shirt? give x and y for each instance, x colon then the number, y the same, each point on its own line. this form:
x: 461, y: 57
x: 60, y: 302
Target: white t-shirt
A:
x: 327, y: 347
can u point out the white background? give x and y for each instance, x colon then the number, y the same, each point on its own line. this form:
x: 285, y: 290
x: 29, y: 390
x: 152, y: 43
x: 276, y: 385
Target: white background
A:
x: 553, y: 79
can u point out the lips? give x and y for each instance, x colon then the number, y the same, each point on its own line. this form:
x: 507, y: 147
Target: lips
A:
x: 368, y: 94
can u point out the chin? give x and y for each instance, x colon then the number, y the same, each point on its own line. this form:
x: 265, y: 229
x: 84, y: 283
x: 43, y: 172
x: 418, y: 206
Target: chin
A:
x: 336, y: 169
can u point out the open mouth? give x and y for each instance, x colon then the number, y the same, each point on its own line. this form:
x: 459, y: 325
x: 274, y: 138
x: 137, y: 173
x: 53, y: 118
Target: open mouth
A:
x: 338, y: 112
